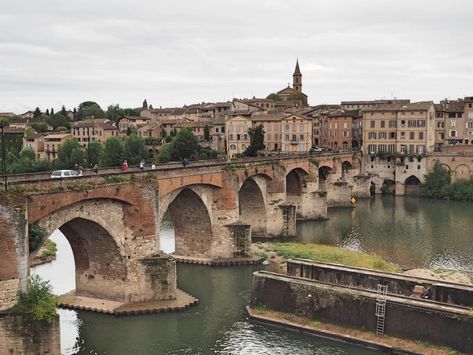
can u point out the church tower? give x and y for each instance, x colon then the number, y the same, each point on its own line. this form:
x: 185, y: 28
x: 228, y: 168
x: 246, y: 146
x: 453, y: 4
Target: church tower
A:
x: 297, y: 78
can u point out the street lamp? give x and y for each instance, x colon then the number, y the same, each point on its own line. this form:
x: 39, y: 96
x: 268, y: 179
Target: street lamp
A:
x: 3, y: 124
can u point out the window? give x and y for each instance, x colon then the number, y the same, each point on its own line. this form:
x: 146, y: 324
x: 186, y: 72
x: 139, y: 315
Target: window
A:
x: 382, y: 135
x: 230, y: 137
x: 238, y: 137
x: 403, y: 135
x: 391, y: 148
x: 287, y: 137
x: 421, y: 135
x: 411, y: 148
x: 381, y: 147
x: 345, y: 124
x: 411, y: 123
x: 411, y: 135
x: 287, y: 128
x: 232, y: 147
x: 301, y: 137
x: 469, y: 125
x: 453, y: 133
x: 382, y: 124
x: 392, y: 124
x: 371, y: 148
x: 420, y: 149
x: 420, y: 123
x: 453, y: 123
x: 372, y: 135
x: 372, y: 124
x: 392, y: 135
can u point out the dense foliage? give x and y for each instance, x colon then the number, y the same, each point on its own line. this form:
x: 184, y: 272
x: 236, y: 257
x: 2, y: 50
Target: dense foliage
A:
x: 36, y: 235
x: 438, y: 185
x: 38, y: 301
x: 256, y: 141
x: 274, y: 97
x: 69, y: 154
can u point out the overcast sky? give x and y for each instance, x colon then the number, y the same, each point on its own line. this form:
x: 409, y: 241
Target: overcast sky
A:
x: 55, y: 52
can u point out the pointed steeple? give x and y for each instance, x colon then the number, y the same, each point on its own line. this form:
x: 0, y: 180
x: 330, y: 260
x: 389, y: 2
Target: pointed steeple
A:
x: 297, y: 78
x: 297, y: 71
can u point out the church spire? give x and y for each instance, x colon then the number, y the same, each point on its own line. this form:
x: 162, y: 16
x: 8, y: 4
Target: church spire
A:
x: 297, y: 78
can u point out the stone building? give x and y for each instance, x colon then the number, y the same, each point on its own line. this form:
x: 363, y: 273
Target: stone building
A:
x: 237, y: 135
x: 134, y: 122
x: 34, y: 142
x: 367, y: 104
x: 98, y: 129
x: 51, y: 145
x: 294, y: 95
x: 340, y: 129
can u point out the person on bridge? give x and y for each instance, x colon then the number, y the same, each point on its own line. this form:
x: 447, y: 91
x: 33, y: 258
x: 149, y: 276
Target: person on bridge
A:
x: 142, y: 165
x: 95, y: 169
x: 125, y: 166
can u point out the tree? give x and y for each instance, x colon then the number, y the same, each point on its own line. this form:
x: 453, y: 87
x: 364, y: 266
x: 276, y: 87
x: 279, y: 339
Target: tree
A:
x: 58, y: 120
x: 37, y: 112
x: 113, y: 153
x: 94, y: 153
x: 114, y: 113
x: 89, y: 109
x: 206, y: 133
x: 184, y: 144
x: 295, y: 96
x: 173, y: 132
x: 437, y: 182
x: 256, y: 141
x: 165, y: 154
x: 150, y: 107
x: 274, y: 97
x: 163, y: 133
x: 135, y: 149
x: 63, y: 111
x: 52, y: 111
x: 69, y: 154
x: 38, y: 301
x: 145, y: 104
x: 40, y: 127
x: 47, y: 112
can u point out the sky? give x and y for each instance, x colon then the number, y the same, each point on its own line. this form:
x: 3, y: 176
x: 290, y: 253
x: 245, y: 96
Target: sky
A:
x: 173, y: 53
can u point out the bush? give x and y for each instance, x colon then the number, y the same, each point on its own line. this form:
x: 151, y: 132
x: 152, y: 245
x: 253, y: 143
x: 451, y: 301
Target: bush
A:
x: 36, y: 235
x: 38, y: 301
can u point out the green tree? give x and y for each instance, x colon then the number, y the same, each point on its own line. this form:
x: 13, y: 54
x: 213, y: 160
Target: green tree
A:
x: 173, y: 132
x: 47, y: 112
x: 163, y: 133
x: 52, y: 111
x: 135, y: 149
x: 40, y: 127
x: 184, y: 145
x: 89, y: 109
x: 37, y: 112
x: 165, y: 154
x: 94, y: 153
x: 63, y: 111
x: 145, y: 104
x: 437, y: 182
x: 275, y: 97
x: 36, y: 236
x: 256, y: 141
x: 114, y: 152
x: 27, y: 163
x: 58, y: 120
x: 295, y: 96
x: 114, y: 113
x: 69, y: 154
x: 206, y: 133
x: 38, y: 301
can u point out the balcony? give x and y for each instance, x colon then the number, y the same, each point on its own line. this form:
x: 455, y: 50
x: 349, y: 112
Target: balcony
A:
x: 295, y: 141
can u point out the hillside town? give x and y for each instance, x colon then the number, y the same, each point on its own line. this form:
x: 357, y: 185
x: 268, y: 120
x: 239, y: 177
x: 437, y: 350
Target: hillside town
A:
x: 290, y: 125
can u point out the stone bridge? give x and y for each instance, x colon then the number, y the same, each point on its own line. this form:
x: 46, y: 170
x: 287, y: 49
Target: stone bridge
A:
x: 112, y: 220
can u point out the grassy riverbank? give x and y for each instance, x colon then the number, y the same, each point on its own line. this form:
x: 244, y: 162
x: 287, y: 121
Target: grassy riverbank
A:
x: 45, y: 254
x: 329, y: 254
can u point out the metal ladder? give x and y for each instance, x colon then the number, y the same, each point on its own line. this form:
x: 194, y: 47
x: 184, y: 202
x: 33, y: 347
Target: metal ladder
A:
x: 380, y: 312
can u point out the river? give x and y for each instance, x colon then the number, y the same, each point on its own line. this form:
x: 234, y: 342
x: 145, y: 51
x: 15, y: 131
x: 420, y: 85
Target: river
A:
x: 413, y: 232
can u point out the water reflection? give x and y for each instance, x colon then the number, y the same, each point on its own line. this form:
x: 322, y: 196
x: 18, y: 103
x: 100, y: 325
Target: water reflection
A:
x: 409, y: 231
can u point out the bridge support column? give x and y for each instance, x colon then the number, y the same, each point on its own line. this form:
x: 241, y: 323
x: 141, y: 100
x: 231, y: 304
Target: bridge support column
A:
x: 312, y: 204
x: 400, y: 189
x: 361, y: 186
x: 339, y: 194
x: 241, y: 239
x: 282, y: 221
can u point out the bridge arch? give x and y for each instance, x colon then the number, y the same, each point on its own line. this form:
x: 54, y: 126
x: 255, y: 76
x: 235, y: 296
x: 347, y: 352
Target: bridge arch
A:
x: 191, y: 220
x: 411, y: 184
x: 346, y: 167
x: 462, y: 171
x: 252, y: 204
x: 99, y: 241
x: 324, y: 172
x: 295, y: 181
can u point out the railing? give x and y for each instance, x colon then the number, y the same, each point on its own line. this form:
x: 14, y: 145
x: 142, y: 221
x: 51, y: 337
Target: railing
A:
x: 107, y: 171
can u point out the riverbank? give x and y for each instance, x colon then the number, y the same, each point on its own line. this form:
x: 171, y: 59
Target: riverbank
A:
x: 278, y: 253
x: 45, y: 254
x: 357, y: 337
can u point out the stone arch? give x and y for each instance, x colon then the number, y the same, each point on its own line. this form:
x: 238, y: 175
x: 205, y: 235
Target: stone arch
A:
x: 252, y: 206
x: 100, y: 242
x: 388, y: 187
x: 346, y: 166
x: 446, y: 166
x: 192, y: 223
x: 462, y: 171
x: 411, y: 184
x: 295, y: 181
x: 324, y: 172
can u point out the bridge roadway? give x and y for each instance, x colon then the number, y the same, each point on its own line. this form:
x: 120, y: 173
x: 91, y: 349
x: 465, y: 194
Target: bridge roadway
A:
x: 216, y: 206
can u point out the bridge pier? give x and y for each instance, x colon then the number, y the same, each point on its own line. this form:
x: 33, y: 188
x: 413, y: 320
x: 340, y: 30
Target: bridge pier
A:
x: 361, y: 186
x: 339, y: 194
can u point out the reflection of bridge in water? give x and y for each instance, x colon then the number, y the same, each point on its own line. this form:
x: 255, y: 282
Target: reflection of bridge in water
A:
x: 113, y: 227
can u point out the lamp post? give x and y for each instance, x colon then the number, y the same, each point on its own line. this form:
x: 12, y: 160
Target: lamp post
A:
x: 3, y: 124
